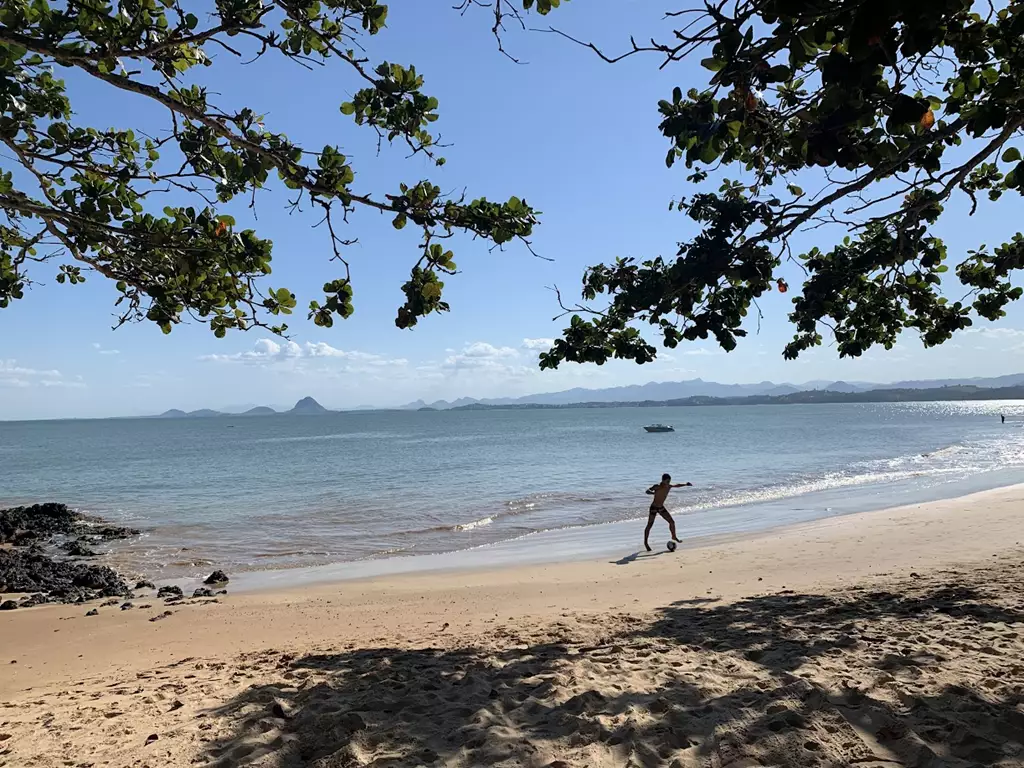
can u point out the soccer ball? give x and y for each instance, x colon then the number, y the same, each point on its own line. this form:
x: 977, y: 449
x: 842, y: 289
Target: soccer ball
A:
x: 671, y: 546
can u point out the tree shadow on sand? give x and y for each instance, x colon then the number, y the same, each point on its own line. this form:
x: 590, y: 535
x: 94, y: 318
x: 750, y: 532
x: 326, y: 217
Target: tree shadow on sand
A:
x: 929, y: 675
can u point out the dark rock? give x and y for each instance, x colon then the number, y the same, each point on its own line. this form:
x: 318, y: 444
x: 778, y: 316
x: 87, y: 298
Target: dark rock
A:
x: 222, y: 592
x: 24, y: 538
x: 126, y: 606
x: 64, y: 581
x: 217, y: 577
x: 93, y: 612
x: 145, y: 585
x: 41, y: 520
x: 30, y: 601
x: 77, y: 549
x: 203, y: 592
x: 108, y: 603
x: 350, y: 721
x: 151, y: 738
x: 160, y: 616
x: 170, y: 590
x: 8, y: 605
x: 145, y: 605
x: 173, y: 600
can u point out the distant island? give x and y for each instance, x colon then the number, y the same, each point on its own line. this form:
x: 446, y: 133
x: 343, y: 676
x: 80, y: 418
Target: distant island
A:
x: 836, y: 392
x: 305, y: 407
x: 809, y: 397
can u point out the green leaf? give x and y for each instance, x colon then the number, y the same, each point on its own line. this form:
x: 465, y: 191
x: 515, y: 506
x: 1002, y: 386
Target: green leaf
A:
x: 713, y: 64
x: 1011, y: 155
x: 348, y: 108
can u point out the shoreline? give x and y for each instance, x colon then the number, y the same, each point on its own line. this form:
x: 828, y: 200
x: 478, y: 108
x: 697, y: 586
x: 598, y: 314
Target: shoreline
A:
x: 624, y: 539
x: 817, y: 529
x: 889, y: 637
x: 820, y: 554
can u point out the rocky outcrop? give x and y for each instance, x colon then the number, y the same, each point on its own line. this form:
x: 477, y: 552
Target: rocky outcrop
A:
x: 36, y: 521
x: 77, y: 548
x: 170, y: 591
x: 66, y: 581
x: 41, y: 522
x: 29, y: 568
x: 217, y: 577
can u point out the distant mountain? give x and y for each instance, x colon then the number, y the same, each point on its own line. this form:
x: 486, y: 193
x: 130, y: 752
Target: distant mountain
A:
x: 996, y: 382
x: 843, y: 386
x: 260, y: 410
x: 308, y: 405
x: 698, y: 388
x: 956, y: 392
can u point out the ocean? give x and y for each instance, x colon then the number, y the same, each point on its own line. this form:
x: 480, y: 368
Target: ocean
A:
x: 267, y: 494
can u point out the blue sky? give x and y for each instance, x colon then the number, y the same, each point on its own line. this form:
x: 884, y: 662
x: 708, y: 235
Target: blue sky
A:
x: 577, y: 138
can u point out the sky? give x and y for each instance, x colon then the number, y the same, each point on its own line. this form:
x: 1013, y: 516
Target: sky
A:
x: 577, y: 138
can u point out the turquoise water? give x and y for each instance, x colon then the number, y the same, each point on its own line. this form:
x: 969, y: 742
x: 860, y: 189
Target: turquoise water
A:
x: 285, y: 492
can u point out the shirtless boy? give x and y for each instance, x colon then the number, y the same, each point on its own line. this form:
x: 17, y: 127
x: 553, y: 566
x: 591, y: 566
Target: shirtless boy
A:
x: 660, y: 493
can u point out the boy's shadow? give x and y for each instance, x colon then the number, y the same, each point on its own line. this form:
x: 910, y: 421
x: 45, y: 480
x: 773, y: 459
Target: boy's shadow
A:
x: 638, y: 555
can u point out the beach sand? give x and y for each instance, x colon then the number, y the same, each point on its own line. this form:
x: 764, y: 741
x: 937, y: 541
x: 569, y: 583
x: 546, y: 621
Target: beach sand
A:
x: 891, y: 638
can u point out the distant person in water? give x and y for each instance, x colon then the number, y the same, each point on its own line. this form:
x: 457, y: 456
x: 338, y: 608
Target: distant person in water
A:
x: 1002, y: 417
x: 660, y: 493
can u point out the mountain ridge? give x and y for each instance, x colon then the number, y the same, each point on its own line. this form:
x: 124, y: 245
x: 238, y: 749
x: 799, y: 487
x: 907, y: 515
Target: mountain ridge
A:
x: 676, y: 390
x: 304, y: 407
x: 953, y: 392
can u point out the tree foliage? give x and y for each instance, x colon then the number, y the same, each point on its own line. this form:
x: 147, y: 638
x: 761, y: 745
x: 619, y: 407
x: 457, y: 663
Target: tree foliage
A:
x: 106, y: 200
x: 889, y: 108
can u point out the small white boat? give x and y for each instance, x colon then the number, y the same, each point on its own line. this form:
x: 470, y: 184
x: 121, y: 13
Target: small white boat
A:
x: 659, y: 428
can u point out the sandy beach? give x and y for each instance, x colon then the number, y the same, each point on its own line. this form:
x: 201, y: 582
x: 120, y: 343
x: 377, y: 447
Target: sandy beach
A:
x: 882, y: 639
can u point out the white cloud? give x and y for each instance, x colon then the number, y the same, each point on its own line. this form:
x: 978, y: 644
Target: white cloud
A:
x: 483, y: 350
x: 538, y: 345
x: 263, y: 351
x: 104, y: 351
x: 268, y: 352
x: 487, y: 358
x: 12, y: 368
x: 17, y: 376
x: 702, y: 351
x: 997, y: 333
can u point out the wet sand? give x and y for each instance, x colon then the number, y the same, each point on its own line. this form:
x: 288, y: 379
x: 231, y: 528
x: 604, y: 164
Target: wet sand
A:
x: 882, y: 639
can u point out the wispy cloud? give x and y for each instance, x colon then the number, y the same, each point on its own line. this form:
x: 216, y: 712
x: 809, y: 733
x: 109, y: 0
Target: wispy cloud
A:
x: 17, y: 376
x: 702, y: 351
x: 996, y: 333
x: 538, y: 345
x: 103, y: 350
x: 263, y: 351
x: 296, y: 356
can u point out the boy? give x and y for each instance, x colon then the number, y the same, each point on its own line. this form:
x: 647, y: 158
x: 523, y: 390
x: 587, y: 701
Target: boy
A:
x: 660, y: 493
